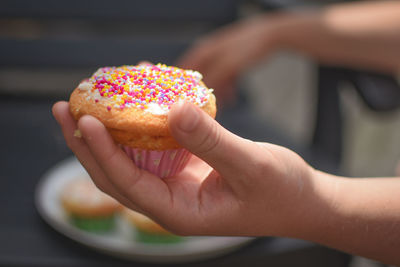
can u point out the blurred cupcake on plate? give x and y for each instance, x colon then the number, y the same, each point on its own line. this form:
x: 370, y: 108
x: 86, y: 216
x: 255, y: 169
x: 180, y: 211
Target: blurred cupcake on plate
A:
x: 148, y: 231
x: 87, y: 207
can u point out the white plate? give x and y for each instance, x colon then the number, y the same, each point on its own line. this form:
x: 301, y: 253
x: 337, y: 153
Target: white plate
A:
x: 121, y: 241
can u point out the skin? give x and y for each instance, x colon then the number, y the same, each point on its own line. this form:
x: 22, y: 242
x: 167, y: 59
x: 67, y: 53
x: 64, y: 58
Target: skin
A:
x: 233, y: 186
x: 362, y: 35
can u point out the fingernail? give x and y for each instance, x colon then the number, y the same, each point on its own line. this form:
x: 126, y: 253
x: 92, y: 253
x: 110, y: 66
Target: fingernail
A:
x: 190, y: 117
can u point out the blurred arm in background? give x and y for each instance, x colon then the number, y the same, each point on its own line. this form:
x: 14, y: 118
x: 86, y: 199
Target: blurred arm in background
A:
x: 363, y: 35
x: 398, y: 169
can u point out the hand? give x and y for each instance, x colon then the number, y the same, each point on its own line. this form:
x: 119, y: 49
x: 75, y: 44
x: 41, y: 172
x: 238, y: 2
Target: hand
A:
x: 231, y: 186
x: 224, y: 54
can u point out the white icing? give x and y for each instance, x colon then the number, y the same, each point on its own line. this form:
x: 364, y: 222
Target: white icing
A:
x: 156, y: 109
x: 85, y: 85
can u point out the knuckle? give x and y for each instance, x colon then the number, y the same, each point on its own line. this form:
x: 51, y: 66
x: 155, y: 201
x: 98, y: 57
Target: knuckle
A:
x: 112, y: 155
x: 137, y: 177
x: 260, y: 168
x: 260, y: 164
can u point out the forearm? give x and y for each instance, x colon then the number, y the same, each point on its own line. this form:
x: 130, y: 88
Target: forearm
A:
x: 359, y: 216
x: 362, y: 35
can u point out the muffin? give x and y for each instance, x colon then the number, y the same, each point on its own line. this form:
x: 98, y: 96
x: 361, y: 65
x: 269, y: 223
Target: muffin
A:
x: 87, y: 207
x: 133, y: 104
x: 148, y: 231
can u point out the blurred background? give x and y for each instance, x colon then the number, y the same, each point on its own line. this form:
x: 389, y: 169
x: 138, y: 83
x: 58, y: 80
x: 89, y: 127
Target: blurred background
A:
x: 48, y: 47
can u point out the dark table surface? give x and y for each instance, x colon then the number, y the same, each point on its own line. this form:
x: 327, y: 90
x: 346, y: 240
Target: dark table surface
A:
x: 31, y: 143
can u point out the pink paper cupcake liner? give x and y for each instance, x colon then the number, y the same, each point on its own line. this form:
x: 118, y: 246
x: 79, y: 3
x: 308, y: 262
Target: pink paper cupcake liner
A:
x: 161, y: 163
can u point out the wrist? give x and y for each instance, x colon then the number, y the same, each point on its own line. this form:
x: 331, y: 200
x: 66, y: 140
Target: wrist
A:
x: 291, y: 31
x: 303, y: 200
x: 314, y: 209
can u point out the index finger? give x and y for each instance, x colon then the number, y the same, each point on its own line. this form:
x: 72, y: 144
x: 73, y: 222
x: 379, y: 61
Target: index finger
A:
x: 144, y: 189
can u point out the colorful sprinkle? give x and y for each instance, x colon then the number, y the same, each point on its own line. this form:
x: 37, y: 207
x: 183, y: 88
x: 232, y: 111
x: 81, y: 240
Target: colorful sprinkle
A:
x: 147, y: 85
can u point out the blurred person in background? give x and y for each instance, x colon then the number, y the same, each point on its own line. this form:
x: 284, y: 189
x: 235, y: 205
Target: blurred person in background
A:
x: 234, y: 186
x: 362, y: 35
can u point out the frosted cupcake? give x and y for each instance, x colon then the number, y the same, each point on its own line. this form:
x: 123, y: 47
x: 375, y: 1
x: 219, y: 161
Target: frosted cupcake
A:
x: 148, y: 231
x: 87, y: 207
x: 133, y: 103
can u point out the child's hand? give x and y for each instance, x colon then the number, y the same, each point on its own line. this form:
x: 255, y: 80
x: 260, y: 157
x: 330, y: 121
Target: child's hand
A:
x: 231, y: 186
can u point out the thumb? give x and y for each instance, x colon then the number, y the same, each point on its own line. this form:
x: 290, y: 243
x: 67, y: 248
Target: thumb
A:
x: 204, y: 137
